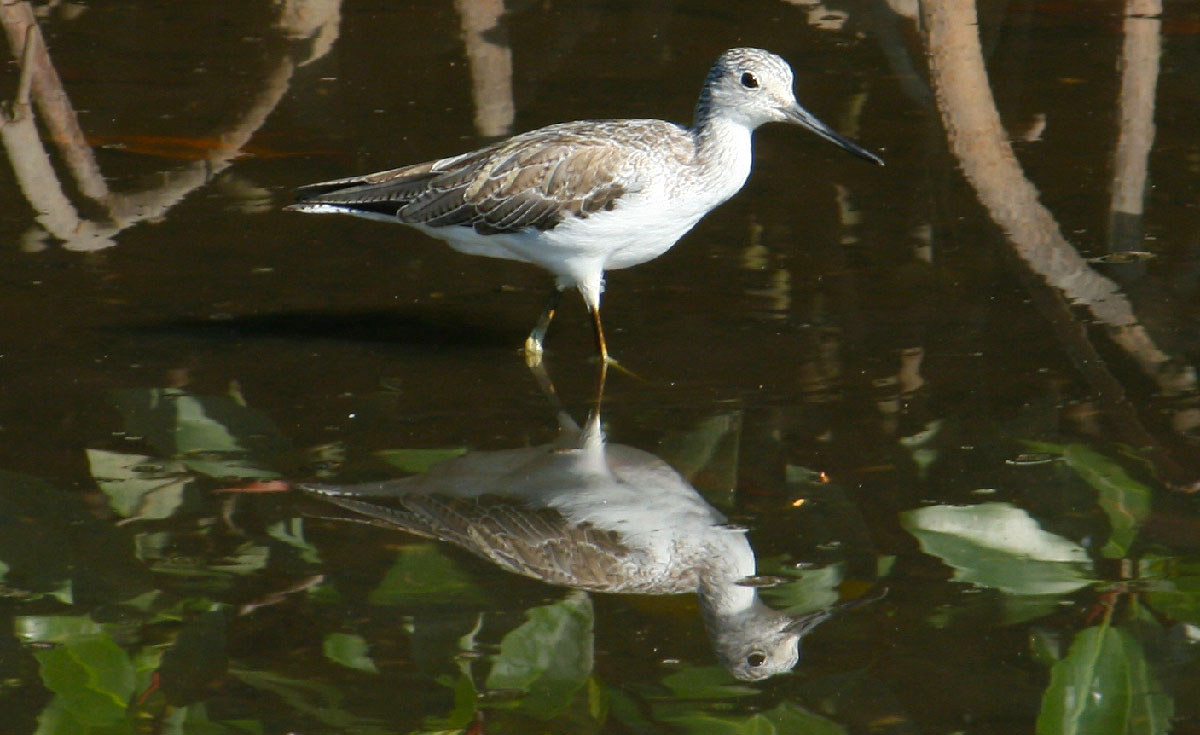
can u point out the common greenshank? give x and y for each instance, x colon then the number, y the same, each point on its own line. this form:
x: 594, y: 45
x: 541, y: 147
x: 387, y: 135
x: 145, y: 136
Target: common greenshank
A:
x: 580, y: 198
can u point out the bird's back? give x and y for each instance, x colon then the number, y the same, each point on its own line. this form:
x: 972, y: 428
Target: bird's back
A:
x: 534, y: 542
x: 535, y: 180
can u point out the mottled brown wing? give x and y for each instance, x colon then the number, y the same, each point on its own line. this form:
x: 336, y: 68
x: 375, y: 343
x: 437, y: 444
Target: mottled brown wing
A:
x: 533, y: 180
x: 533, y: 542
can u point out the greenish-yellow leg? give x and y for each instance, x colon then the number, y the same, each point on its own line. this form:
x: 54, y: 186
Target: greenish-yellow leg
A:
x: 533, y: 344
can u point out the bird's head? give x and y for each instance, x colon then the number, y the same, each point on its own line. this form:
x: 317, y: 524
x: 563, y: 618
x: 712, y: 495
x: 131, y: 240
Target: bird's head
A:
x: 752, y: 87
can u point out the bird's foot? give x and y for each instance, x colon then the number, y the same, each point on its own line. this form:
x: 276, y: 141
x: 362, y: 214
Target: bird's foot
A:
x: 533, y: 351
x: 608, y: 361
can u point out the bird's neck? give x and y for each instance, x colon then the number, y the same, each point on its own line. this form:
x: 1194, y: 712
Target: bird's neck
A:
x: 722, y: 148
x: 720, y: 588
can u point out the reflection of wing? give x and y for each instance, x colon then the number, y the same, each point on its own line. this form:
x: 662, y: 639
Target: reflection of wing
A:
x: 534, y: 542
x: 531, y: 180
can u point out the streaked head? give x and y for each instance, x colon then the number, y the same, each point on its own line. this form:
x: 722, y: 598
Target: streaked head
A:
x: 760, y: 642
x: 751, y: 87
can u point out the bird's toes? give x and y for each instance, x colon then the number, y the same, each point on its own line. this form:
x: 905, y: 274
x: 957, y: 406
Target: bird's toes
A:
x: 608, y: 361
x: 533, y: 351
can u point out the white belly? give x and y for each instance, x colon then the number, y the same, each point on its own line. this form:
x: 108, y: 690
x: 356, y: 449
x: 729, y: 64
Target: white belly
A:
x: 643, y: 225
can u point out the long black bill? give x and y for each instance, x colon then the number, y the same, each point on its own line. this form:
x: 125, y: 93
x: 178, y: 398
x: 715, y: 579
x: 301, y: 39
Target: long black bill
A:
x: 801, y: 624
x: 803, y: 117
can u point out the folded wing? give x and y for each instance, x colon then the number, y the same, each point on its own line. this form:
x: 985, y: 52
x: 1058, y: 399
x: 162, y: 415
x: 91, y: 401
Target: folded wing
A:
x: 535, y: 180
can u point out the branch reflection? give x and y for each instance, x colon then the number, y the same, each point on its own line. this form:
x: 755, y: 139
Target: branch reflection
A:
x: 56, y: 216
x: 978, y: 140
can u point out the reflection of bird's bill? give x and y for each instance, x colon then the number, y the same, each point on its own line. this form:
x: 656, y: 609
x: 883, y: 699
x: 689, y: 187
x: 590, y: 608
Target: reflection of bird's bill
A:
x: 804, y: 118
x: 802, y: 624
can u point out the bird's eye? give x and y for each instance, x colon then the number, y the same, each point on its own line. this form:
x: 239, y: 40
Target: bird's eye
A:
x: 749, y: 81
x: 756, y: 659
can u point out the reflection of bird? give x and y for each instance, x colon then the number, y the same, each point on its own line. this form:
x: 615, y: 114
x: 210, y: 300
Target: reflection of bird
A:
x: 599, y: 517
x: 580, y: 198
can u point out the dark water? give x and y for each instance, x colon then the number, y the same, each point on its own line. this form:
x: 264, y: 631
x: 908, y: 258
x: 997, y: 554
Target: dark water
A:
x: 980, y: 411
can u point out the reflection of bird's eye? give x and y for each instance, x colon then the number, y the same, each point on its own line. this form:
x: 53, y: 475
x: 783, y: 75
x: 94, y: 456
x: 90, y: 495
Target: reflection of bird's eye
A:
x: 756, y: 659
x: 749, y: 81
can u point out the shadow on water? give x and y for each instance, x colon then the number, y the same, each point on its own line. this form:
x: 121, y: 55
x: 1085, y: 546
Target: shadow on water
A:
x: 416, y: 327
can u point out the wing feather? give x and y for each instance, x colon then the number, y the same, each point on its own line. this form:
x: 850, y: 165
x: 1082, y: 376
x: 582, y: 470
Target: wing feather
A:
x: 533, y: 180
x: 533, y: 542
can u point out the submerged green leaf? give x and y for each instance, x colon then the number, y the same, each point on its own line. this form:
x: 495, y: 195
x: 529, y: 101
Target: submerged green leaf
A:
x: 548, y: 657
x: 92, y: 676
x: 813, y: 589
x: 1021, y: 608
x: 139, y: 486
x: 1000, y: 546
x: 230, y: 468
x: 314, y: 699
x: 705, y: 723
x: 999, y: 526
x: 788, y: 718
x: 57, y: 719
x: 196, y: 722
x: 423, y: 575
x: 419, y: 460
x: 1124, y: 500
x: 466, y: 704
x: 1174, y: 587
x: 706, y: 682
x: 55, y: 628
x: 1103, y: 685
x: 217, y: 436
x: 349, y: 650
x: 291, y: 532
x: 707, y: 455
x: 785, y: 719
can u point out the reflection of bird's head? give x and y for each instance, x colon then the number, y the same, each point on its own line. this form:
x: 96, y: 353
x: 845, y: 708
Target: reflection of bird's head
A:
x: 760, y: 642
